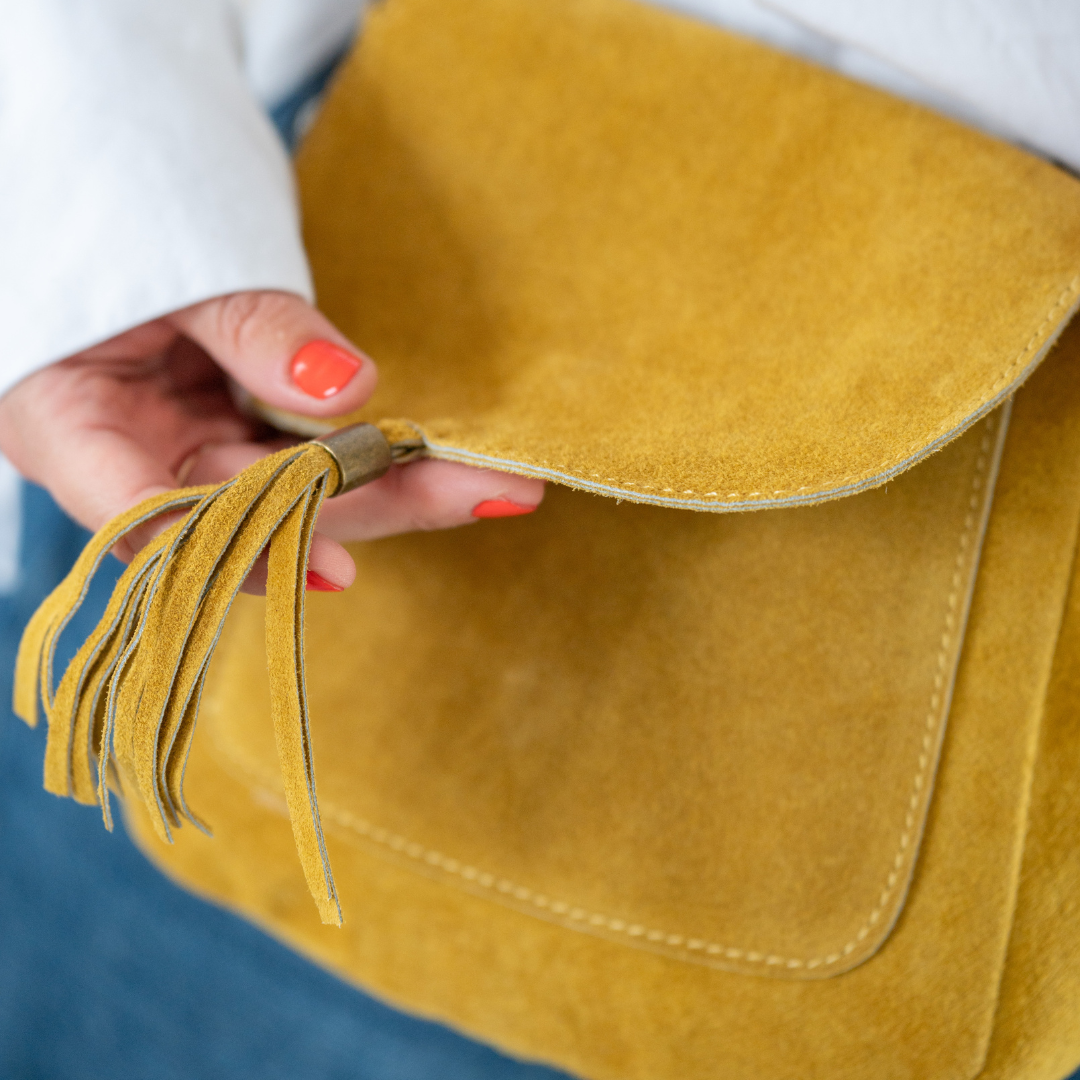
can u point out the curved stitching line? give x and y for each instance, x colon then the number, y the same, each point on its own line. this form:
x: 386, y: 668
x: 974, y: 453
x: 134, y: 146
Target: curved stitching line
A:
x: 848, y: 485
x: 934, y: 723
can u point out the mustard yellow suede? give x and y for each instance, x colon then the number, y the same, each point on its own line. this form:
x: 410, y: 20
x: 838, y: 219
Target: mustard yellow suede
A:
x: 34, y: 663
x: 1041, y: 982
x: 645, y: 793
x: 598, y: 242
x: 129, y: 700
x: 423, y: 935
x: 565, y: 659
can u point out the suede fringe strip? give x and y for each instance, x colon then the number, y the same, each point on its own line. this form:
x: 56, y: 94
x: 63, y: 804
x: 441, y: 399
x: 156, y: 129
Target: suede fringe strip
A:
x: 123, y: 714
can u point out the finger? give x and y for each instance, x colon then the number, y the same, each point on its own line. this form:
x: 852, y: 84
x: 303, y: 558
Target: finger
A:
x: 330, y: 569
x: 427, y: 495
x: 214, y: 463
x: 95, y: 475
x: 103, y: 435
x: 101, y: 475
x: 424, y: 495
x: 129, y: 546
x: 331, y: 564
x: 93, y: 470
x: 149, y: 339
x: 281, y: 350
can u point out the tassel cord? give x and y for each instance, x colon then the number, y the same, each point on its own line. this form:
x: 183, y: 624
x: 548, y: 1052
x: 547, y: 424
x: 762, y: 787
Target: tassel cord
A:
x: 190, y: 599
x: 34, y: 663
x: 284, y: 642
x: 125, y: 710
x: 124, y: 713
x: 181, y: 709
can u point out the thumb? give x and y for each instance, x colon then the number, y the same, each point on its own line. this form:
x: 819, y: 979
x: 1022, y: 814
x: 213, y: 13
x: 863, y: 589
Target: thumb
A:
x: 281, y: 350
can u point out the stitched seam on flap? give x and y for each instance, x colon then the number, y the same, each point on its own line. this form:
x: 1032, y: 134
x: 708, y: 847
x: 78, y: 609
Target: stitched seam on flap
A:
x: 251, y: 774
x: 833, y: 488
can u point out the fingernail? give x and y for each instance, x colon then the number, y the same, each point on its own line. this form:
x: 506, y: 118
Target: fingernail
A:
x: 318, y: 583
x: 321, y: 369
x: 496, y: 508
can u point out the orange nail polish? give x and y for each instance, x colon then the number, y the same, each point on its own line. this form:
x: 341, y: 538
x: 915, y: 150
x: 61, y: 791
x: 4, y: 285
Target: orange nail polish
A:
x: 497, y: 508
x: 321, y: 369
x: 318, y: 583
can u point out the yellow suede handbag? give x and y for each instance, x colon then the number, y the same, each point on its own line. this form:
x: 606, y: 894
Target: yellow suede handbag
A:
x: 752, y: 755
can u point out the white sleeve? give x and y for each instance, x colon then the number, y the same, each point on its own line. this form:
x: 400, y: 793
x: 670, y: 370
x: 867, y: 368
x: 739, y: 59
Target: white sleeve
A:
x: 286, y: 41
x: 137, y: 172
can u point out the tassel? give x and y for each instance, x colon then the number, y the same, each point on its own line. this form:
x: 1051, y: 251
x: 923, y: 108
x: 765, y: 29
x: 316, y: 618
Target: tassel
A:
x: 124, y: 712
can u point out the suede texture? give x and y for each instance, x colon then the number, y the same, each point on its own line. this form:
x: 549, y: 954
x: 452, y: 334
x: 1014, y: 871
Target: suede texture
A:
x: 124, y: 712
x: 1040, y: 987
x: 746, y: 673
x: 598, y: 242
x: 644, y: 793
x: 929, y: 1002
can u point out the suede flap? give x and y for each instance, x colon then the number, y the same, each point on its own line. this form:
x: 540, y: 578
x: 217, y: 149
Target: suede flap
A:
x: 612, y: 246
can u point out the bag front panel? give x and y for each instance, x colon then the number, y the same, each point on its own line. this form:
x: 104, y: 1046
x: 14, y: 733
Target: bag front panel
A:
x: 1037, y: 1025
x: 924, y: 1005
x: 704, y: 739
x: 711, y: 736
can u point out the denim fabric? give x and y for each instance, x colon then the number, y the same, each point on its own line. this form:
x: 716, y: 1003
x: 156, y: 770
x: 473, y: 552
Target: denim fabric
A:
x: 292, y: 115
x: 110, y: 972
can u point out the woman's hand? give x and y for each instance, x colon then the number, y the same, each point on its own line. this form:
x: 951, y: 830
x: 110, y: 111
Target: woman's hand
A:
x: 150, y: 410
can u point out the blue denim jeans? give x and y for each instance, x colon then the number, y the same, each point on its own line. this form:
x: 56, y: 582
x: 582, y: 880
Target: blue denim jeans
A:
x: 108, y: 971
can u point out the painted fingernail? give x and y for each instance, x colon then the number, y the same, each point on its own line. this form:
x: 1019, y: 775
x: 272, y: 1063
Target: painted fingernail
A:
x: 496, y: 508
x: 321, y: 369
x: 318, y: 583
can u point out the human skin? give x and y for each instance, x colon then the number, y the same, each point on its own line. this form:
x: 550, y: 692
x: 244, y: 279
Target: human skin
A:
x: 151, y: 409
